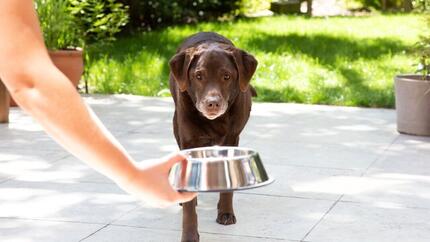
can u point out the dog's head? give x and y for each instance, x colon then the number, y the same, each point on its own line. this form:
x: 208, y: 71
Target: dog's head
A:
x: 213, y: 75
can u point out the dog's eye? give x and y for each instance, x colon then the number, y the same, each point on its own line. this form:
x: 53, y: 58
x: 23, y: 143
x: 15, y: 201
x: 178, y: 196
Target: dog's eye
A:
x: 226, y: 77
x: 199, y: 76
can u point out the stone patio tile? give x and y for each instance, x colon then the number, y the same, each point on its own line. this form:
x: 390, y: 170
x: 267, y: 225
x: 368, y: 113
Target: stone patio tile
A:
x: 389, y: 190
x: 258, y: 216
x: 307, y: 182
x: 23, y: 230
x: 334, y: 156
x: 77, y: 202
x: 17, y: 162
x: 124, y: 113
x: 320, y: 124
x: 67, y: 170
x: 407, y: 155
x: 318, y: 154
x: 4, y: 178
x: 114, y: 233
x: 23, y: 134
x: 358, y: 222
x: 401, y: 178
x: 142, y: 146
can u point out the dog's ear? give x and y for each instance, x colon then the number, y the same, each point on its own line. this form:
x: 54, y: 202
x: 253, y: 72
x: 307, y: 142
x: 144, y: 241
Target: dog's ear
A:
x: 179, y: 66
x: 246, y: 65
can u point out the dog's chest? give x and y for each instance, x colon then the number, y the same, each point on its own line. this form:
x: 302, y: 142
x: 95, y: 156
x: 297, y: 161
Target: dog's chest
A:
x: 218, y: 132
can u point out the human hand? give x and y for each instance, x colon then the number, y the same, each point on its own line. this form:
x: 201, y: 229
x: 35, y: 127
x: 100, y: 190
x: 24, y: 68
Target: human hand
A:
x: 150, y: 183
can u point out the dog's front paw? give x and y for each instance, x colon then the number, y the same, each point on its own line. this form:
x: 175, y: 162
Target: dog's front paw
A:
x: 190, y: 237
x: 226, y: 218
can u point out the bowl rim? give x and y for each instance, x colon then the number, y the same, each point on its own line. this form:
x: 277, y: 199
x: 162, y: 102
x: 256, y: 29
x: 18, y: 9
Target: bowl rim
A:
x: 252, y: 153
x: 269, y: 181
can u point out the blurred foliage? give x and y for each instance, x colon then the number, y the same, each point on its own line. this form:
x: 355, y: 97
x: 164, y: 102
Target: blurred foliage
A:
x: 421, y: 5
x: 416, y: 5
x: 423, y: 52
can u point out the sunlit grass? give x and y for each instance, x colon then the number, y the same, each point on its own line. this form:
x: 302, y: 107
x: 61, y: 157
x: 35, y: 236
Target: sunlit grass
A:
x: 340, y: 61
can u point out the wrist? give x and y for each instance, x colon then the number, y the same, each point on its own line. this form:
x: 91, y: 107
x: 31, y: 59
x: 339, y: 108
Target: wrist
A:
x: 127, y: 174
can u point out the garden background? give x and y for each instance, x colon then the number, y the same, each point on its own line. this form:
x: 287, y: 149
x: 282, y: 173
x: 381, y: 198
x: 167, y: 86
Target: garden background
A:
x: 348, y: 59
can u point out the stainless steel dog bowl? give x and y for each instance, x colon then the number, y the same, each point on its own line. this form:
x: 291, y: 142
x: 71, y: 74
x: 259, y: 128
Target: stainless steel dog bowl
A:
x: 219, y: 168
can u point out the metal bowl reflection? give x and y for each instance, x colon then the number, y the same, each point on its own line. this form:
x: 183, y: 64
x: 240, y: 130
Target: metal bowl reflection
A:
x: 219, y: 168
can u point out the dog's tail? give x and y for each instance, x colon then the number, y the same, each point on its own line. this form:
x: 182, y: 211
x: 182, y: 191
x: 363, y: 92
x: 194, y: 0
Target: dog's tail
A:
x: 253, y: 91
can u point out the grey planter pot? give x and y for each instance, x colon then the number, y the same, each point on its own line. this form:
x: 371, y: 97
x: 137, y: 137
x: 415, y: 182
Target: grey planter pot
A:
x: 413, y: 104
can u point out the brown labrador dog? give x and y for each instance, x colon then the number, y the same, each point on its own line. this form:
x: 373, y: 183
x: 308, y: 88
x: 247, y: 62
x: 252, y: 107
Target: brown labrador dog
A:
x: 209, y: 82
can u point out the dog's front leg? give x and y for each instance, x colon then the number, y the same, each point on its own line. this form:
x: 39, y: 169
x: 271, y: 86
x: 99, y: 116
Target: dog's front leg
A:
x: 225, y: 204
x: 225, y: 209
x: 189, y: 222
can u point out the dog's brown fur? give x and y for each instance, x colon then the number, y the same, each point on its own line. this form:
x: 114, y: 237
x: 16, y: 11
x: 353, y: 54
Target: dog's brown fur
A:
x: 209, y: 82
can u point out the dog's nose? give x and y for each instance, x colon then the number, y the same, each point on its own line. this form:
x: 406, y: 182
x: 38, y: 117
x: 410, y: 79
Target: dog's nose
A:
x: 213, y: 104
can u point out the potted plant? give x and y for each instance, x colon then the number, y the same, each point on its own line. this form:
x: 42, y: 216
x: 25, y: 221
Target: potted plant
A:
x: 69, y: 26
x: 61, y: 38
x: 413, y: 94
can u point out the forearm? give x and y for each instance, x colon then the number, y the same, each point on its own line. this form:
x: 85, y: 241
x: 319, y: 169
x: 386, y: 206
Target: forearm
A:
x: 54, y: 103
x: 48, y: 96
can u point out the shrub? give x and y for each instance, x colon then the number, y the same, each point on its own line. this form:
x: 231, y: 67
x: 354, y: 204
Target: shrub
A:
x: 57, y: 24
x: 423, y: 51
x: 73, y: 23
x: 98, y: 20
x: 157, y: 13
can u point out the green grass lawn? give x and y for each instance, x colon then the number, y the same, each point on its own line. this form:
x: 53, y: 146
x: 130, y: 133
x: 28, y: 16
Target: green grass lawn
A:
x: 339, y: 61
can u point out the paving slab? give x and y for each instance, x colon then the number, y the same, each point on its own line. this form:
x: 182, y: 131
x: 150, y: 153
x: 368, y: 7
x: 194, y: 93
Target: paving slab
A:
x: 22, y: 133
x: 258, y: 216
x: 15, y: 162
x: 66, y: 170
x: 407, y: 155
x: 343, y: 174
x: 336, y: 156
x: 359, y: 222
x: 76, y: 202
x: 400, y: 178
x: 24, y: 230
x: 304, y: 182
x: 114, y: 233
x: 125, y: 113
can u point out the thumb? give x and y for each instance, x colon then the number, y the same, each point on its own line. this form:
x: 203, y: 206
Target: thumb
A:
x: 185, y: 196
x: 176, y: 158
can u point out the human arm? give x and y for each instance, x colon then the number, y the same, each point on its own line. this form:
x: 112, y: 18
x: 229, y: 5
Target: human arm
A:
x: 47, y: 95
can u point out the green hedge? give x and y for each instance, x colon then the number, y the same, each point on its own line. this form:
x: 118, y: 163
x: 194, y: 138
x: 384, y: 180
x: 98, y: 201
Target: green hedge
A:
x: 157, y: 13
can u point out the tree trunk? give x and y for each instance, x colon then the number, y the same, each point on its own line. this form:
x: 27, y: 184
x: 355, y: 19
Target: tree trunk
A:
x: 384, y: 5
x: 407, y: 5
x: 309, y: 8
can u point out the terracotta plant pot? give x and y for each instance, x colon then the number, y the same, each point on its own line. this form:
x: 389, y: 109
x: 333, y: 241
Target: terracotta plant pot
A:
x: 413, y: 104
x: 70, y: 62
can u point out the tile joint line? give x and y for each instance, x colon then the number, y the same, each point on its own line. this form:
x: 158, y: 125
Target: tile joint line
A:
x: 322, y: 218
